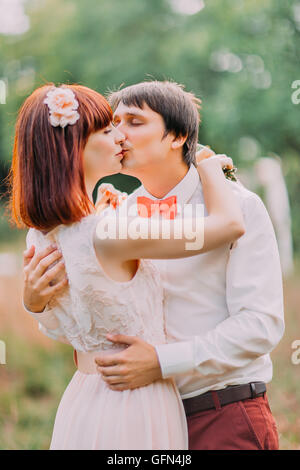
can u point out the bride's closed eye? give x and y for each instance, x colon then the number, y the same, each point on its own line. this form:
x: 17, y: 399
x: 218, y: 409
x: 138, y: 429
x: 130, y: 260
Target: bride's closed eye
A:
x: 135, y: 122
x: 107, y: 130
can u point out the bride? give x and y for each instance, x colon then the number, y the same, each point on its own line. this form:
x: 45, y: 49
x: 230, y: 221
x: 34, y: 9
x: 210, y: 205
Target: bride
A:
x: 64, y: 143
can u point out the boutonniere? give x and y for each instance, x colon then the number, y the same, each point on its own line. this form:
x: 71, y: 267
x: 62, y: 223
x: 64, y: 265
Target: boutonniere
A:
x: 230, y: 174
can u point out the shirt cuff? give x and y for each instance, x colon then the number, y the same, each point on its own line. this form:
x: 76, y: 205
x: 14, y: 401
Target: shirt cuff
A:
x: 46, y: 317
x: 175, y: 358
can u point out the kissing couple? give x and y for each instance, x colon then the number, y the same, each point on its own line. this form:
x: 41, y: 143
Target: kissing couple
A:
x: 171, y: 343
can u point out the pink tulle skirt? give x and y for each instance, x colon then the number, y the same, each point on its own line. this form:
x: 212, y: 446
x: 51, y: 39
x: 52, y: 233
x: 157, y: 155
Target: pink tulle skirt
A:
x: 91, y: 416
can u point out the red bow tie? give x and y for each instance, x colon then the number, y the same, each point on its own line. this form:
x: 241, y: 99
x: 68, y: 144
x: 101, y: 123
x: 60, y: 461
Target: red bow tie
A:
x: 167, y: 207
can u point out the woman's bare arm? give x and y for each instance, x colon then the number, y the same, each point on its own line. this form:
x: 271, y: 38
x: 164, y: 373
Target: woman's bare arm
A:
x: 224, y: 224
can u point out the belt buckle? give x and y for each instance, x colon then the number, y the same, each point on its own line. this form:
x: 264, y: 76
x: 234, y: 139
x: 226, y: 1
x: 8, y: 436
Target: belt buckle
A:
x: 253, y: 390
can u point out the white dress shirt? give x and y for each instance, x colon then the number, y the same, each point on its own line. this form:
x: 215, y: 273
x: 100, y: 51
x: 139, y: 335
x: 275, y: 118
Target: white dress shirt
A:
x: 223, y: 309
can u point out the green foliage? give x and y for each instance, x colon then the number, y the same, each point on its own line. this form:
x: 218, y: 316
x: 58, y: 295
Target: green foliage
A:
x: 32, y: 384
x: 240, y: 56
x: 7, y: 231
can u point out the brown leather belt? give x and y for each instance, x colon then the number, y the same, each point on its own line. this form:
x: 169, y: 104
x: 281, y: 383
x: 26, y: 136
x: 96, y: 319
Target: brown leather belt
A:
x: 215, y: 398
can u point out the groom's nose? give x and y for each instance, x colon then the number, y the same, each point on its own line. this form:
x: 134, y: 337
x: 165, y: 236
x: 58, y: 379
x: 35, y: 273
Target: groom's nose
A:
x: 119, y: 136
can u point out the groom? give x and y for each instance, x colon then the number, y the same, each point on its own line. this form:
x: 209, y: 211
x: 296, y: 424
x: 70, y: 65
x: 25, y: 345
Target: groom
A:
x: 224, y: 308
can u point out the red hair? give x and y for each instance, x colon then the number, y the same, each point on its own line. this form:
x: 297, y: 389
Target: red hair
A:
x: 46, y: 178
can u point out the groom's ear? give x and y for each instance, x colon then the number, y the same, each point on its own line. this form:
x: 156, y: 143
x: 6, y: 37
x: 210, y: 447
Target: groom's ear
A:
x: 178, y: 142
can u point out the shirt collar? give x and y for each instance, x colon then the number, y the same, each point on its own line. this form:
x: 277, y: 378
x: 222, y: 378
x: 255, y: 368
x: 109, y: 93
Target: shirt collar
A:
x: 183, y: 190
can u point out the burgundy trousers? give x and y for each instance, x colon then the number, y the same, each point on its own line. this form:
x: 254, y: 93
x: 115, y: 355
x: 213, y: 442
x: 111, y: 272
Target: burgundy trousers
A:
x: 243, y: 425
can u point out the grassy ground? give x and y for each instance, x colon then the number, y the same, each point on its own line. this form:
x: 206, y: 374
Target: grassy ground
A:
x: 32, y: 384
x: 38, y: 369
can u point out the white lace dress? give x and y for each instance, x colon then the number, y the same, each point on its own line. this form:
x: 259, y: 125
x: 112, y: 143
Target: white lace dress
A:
x: 90, y: 415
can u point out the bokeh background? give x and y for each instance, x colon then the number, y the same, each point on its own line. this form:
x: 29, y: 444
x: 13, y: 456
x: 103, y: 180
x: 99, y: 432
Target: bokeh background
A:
x: 242, y: 58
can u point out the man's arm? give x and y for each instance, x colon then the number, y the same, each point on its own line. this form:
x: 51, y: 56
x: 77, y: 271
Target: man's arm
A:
x: 255, y: 303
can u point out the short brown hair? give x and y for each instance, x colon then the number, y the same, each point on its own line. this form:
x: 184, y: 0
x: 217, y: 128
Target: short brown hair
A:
x: 178, y: 108
x: 46, y: 177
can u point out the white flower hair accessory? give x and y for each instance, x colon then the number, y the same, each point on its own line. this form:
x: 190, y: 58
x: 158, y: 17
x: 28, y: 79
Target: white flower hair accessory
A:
x: 62, y: 105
